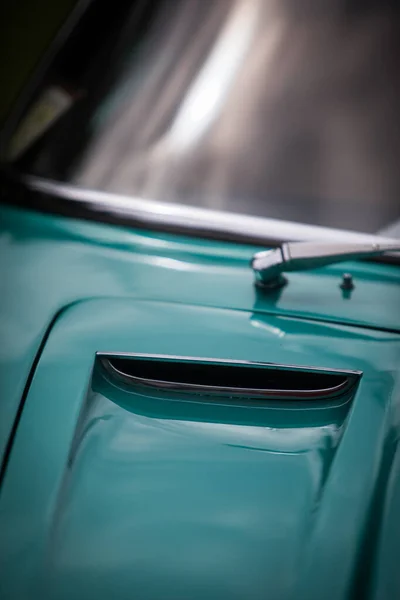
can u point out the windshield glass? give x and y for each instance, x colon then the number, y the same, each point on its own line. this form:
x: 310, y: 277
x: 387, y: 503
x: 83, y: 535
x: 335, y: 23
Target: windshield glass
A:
x: 274, y: 108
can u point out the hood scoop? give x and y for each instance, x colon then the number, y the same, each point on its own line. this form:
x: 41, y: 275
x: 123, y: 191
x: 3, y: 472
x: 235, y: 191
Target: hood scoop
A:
x: 188, y: 452
x: 230, y: 379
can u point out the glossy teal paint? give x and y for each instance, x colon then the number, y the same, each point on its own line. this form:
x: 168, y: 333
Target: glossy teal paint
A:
x: 47, y: 263
x: 99, y: 497
x: 321, y: 512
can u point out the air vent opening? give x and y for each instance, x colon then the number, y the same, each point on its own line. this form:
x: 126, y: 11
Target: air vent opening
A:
x: 215, y: 377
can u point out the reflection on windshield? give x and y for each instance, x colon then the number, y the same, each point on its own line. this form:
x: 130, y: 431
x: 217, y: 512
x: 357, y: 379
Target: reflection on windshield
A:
x: 267, y: 107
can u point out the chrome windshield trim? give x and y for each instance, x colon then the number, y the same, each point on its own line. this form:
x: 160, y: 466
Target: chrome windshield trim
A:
x: 188, y: 220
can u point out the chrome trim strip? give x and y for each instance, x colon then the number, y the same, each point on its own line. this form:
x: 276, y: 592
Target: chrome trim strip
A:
x: 187, y: 220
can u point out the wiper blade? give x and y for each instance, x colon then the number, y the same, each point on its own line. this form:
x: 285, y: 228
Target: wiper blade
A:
x: 270, y: 265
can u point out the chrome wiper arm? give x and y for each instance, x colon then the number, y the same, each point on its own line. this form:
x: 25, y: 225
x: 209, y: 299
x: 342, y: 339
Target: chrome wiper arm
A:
x: 268, y: 266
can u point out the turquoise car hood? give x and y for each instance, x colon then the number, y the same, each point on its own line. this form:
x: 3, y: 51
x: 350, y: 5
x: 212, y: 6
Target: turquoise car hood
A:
x: 109, y: 491
x: 105, y: 493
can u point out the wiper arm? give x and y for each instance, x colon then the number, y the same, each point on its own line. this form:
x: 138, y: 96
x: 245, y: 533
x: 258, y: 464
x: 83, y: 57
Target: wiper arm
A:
x: 269, y: 266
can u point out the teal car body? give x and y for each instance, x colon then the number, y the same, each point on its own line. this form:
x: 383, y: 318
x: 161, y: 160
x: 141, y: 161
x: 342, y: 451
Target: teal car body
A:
x: 109, y: 490
x: 101, y: 496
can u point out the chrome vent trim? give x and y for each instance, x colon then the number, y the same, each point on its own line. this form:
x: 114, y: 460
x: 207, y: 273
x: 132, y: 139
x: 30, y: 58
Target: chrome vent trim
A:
x: 233, y: 379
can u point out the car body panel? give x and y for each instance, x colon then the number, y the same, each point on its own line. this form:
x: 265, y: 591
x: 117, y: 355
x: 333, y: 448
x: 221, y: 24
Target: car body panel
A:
x: 100, y: 498
x: 51, y: 262
x: 162, y: 293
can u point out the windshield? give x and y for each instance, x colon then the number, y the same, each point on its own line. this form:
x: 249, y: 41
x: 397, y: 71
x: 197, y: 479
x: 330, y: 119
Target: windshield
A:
x: 274, y: 108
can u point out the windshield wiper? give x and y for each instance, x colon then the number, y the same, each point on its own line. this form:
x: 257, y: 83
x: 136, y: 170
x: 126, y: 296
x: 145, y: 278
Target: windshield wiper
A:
x: 270, y: 265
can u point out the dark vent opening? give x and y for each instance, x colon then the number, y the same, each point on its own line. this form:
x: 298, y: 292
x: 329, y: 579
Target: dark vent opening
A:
x: 262, y: 380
